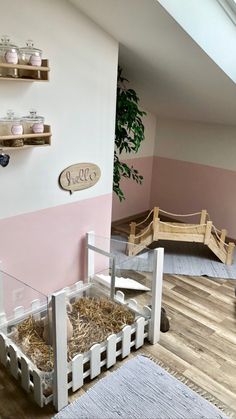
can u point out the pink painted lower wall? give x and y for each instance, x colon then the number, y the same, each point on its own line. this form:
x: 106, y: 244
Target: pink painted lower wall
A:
x: 46, y: 249
x: 183, y: 187
x: 137, y: 196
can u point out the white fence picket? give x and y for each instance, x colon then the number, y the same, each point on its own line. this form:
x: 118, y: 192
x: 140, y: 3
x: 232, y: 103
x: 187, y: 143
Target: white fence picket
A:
x: 95, y: 358
x: 126, y: 338
x: 77, y: 372
x: 13, y: 361
x: 60, y: 383
x: 132, y: 303
x: 139, y: 336
x: 3, y: 350
x: 18, y: 311
x: 3, y: 318
x: 25, y: 374
x: 38, y: 391
x: 111, y: 350
x: 35, y: 305
x: 120, y: 296
x: 147, y: 311
x: 3, y: 323
x: 78, y: 286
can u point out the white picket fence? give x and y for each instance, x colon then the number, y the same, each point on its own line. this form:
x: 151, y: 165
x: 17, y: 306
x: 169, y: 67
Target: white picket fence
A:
x: 53, y: 386
x: 101, y: 355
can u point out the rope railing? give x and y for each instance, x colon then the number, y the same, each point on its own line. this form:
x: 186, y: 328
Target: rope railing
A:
x: 179, y: 215
x: 142, y: 222
x: 144, y: 232
x: 217, y: 235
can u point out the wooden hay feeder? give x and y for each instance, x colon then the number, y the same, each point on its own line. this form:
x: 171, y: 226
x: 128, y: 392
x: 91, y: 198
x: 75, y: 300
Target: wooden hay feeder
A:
x: 53, y: 384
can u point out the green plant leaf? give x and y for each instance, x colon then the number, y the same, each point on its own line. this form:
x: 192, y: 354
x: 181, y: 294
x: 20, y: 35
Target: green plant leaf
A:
x: 129, y: 133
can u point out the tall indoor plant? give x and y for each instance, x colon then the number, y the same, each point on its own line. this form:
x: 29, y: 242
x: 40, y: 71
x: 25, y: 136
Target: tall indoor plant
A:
x: 129, y: 133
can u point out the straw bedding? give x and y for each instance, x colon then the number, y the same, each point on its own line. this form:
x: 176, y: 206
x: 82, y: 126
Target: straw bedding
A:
x: 92, y: 319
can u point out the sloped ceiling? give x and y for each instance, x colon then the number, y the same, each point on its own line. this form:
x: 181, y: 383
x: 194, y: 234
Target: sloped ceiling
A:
x: 173, y: 76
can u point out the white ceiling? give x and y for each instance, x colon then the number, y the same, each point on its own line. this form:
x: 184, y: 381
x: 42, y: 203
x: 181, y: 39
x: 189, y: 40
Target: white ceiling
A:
x: 173, y: 76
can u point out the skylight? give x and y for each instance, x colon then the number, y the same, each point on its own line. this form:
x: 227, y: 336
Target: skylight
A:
x: 229, y: 7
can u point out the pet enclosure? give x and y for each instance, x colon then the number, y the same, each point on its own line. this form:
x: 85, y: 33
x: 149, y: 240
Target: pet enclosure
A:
x: 49, y: 368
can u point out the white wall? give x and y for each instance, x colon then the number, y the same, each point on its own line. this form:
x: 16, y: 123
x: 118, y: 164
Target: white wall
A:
x: 78, y: 103
x: 208, y: 24
x: 194, y: 168
x: 208, y: 144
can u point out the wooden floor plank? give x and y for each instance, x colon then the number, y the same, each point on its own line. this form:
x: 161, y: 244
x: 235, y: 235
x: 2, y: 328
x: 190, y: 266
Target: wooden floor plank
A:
x: 217, y: 291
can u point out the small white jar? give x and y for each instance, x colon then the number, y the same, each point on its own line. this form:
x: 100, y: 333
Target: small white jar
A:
x: 30, y: 55
x: 9, y: 54
x: 33, y: 123
x: 11, y: 125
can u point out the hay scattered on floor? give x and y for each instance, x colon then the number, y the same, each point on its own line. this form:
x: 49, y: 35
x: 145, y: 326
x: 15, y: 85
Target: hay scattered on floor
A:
x: 93, y: 320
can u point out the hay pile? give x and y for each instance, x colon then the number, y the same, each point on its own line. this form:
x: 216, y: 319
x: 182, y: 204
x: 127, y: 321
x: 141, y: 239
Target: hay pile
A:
x: 93, y: 320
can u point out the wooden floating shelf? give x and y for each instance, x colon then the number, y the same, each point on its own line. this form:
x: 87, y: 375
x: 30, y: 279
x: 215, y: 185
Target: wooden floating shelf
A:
x: 46, y: 135
x: 23, y: 147
x: 44, y: 71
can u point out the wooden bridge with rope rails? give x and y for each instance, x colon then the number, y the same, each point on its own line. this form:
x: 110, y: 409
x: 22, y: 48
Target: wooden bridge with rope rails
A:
x: 205, y: 232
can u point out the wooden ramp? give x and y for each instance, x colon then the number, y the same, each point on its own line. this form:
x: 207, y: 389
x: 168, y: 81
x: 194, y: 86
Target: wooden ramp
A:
x: 152, y: 229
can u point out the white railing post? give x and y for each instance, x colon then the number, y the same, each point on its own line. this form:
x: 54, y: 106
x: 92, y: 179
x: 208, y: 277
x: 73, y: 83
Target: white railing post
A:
x: 158, y: 260
x: 59, y: 330
x: 90, y: 254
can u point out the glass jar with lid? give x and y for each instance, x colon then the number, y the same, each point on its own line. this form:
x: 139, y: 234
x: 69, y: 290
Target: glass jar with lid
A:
x: 29, y: 55
x: 11, y: 125
x: 9, y: 54
x: 33, y: 124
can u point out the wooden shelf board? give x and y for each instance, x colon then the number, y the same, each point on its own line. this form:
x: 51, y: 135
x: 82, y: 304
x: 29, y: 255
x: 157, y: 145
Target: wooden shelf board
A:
x: 44, y: 69
x: 23, y: 147
x: 46, y: 134
x: 25, y: 67
x: 21, y: 79
x: 18, y: 137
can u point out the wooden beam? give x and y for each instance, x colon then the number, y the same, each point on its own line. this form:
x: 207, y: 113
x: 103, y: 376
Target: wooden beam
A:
x: 132, y: 228
x: 229, y: 257
x: 208, y: 232
x: 222, y: 237
x: 203, y: 216
x: 155, y: 223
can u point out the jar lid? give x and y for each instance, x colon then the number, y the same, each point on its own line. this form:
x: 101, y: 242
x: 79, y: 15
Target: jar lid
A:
x: 5, y: 43
x: 11, y: 117
x: 30, y: 49
x: 33, y: 117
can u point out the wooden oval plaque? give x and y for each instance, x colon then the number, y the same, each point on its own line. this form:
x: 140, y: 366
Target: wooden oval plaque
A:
x: 79, y: 176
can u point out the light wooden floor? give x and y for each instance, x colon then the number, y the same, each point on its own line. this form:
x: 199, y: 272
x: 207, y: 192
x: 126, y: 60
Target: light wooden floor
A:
x: 200, y: 344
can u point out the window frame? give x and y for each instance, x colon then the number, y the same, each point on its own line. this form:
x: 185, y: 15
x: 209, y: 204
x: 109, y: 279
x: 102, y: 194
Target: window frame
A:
x: 229, y: 7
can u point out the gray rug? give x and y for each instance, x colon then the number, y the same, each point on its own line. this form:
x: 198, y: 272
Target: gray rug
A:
x: 140, y: 389
x: 193, y: 259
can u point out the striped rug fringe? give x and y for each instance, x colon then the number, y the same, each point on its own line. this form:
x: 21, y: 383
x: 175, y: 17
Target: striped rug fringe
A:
x: 207, y: 396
